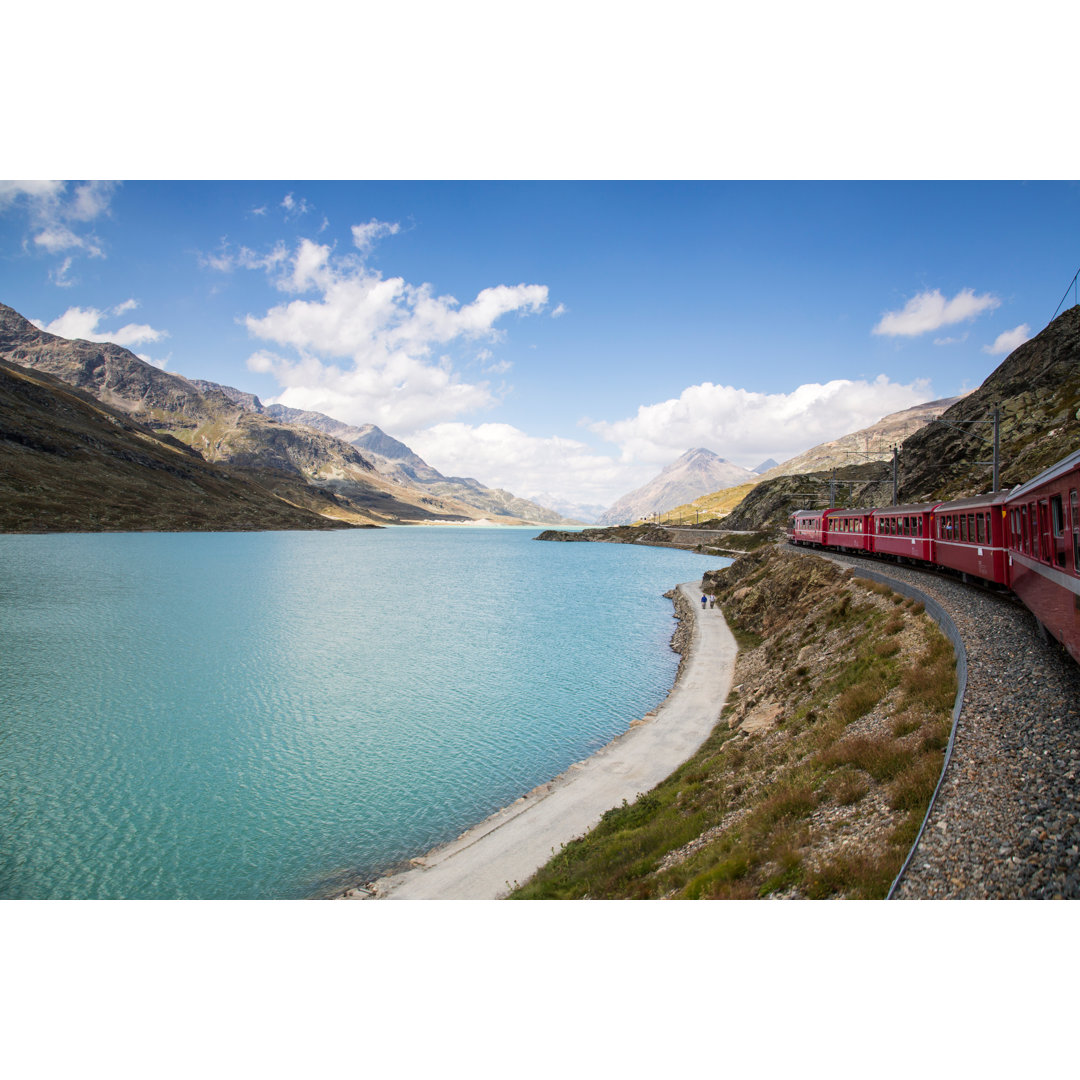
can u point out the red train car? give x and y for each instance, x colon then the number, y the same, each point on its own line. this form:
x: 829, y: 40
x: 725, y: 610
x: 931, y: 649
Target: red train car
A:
x: 903, y: 531
x: 807, y: 526
x: 969, y: 536
x: 1044, y: 549
x: 847, y: 529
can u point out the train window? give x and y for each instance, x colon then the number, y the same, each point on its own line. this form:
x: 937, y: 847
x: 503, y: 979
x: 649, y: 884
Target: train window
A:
x: 979, y: 528
x: 1057, y: 514
x: 963, y: 528
x: 1075, y: 531
x: 1057, y: 520
x: 1025, y: 530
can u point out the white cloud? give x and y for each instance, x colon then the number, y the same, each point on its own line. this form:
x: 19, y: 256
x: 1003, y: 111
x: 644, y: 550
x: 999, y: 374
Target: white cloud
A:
x: 930, y: 310
x: 365, y: 343
x: 225, y: 261
x: 59, y: 276
x: 952, y: 340
x: 56, y: 238
x: 1005, y: 342
x: 82, y: 323
x: 503, y: 456
x: 364, y: 236
x: 36, y: 191
x: 57, y: 217
x: 745, y: 426
x: 740, y: 425
x: 294, y: 207
x: 91, y: 199
x: 559, y: 311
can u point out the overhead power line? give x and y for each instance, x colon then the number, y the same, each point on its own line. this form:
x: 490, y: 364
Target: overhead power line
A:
x: 1072, y: 285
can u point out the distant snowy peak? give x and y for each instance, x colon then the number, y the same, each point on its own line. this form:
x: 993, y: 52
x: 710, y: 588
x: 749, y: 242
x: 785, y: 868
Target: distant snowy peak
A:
x: 697, y: 472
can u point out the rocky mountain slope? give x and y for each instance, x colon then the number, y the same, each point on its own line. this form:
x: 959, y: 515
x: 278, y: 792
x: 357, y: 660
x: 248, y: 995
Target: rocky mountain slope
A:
x: 695, y: 473
x: 1037, y: 388
x: 299, y: 464
x: 395, y: 461
x: 873, y: 443
x: 69, y: 463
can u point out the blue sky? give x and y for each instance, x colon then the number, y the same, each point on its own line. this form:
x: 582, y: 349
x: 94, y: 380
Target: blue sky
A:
x: 560, y: 339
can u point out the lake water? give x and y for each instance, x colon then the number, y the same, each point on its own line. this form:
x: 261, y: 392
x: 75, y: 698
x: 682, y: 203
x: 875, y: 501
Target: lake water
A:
x: 275, y: 715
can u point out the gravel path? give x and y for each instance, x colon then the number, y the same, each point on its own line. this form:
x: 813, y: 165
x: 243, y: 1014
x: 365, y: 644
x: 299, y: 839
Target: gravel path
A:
x: 1006, y: 824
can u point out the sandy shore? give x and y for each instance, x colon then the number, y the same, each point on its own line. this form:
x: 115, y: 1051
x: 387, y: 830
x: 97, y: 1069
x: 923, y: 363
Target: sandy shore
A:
x: 507, y: 848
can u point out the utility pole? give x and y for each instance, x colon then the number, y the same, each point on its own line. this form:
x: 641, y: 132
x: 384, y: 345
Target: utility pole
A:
x: 996, y: 421
x: 895, y: 472
x: 997, y: 448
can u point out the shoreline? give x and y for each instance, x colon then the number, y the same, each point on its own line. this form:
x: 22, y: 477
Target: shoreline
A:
x: 490, y: 859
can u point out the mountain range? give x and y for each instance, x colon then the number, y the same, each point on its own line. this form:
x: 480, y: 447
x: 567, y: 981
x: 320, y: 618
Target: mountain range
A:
x: 298, y: 465
x: 395, y: 461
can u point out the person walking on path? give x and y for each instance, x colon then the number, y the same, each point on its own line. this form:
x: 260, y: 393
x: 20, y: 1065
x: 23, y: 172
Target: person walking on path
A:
x: 703, y: 599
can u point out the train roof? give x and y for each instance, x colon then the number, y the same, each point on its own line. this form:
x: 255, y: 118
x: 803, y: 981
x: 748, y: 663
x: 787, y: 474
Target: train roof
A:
x: 991, y: 498
x: 907, y: 508
x: 1066, y: 464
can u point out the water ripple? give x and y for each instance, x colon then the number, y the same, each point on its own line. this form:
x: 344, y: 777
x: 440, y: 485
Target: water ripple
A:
x: 262, y: 715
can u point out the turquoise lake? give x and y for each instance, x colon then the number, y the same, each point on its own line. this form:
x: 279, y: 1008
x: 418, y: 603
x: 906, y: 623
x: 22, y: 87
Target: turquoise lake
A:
x: 281, y: 714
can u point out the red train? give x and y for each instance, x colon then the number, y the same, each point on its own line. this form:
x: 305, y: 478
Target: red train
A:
x: 1026, y: 540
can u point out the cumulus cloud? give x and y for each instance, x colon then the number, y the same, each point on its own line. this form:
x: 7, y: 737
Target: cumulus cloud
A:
x: 745, y: 426
x: 503, y: 456
x: 741, y: 425
x: 1008, y: 340
x: 365, y: 343
x: 930, y: 311
x: 82, y: 323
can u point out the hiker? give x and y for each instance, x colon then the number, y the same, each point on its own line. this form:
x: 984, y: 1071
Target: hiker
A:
x: 703, y: 598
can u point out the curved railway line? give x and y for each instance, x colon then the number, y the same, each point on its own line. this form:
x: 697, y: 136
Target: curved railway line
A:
x: 1006, y: 820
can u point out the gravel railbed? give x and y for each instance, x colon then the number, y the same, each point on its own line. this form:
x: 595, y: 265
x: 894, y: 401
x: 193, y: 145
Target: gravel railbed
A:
x: 1006, y: 824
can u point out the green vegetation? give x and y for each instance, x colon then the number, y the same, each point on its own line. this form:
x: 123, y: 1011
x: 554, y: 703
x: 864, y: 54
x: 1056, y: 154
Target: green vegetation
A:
x: 826, y: 799
x: 714, y: 505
